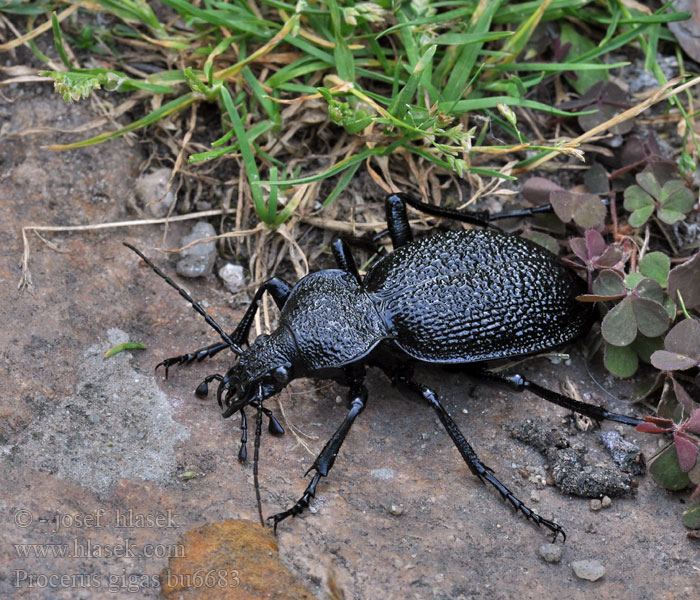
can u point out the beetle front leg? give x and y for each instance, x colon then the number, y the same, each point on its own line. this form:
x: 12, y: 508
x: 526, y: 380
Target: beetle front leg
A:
x: 473, y: 462
x: 324, y: 462
x: 277, y: 288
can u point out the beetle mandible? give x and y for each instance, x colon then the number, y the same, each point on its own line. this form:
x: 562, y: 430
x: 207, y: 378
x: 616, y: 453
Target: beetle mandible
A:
x: 462, y: 297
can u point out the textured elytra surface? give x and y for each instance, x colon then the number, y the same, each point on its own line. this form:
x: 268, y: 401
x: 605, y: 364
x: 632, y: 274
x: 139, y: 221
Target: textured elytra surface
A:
x: 454, y: 297
x: 477, y: 295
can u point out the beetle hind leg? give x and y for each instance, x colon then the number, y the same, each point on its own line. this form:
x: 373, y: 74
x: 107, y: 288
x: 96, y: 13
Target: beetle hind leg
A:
x: 597, y: 413
x: 475, y: 465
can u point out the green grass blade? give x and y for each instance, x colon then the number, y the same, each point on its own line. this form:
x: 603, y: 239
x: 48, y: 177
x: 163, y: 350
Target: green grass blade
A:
x: 58, y: 41
x: 251, y: 168
x: 399, y: 104
x: 461, y: 39
x: 344, y: 62
x: 343, y: 182
x: 466, y: 58
x: 271, y: 108
x: 465, y: 106
x: 167, y: 109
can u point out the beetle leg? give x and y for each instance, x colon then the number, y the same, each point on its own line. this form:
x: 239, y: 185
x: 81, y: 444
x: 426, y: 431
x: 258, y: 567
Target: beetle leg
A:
x: 344, y: 260
x: 242, y: 452
x: 200, y: 354
x: 519, y: 383
x: 397, y: 220
x: 324, y: 461
x: 273, y: 427
x: 203, y: 388
x: 473, y: 462
x: 278, y: 289
x: 480, y: 218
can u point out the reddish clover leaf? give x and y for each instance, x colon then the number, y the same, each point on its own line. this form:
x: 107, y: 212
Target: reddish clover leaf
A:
x: 586, y: 210
x: 682, y: 345
x: 538, y: 189
x: 595, y: 254
x: 693, y: 423
x: 648, y: 427
x: 687, y: 448
x: 608, y: 100
x: 687, y: 445
x: 671, y: 361
x: 595, y: 244
x: 611, y: 258
x: 689, y: 405
x: 685, y: 279
x: 638, y: 152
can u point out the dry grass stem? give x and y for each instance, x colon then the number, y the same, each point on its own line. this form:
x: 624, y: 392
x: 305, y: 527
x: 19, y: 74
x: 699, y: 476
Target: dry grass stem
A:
x: 26, y: 279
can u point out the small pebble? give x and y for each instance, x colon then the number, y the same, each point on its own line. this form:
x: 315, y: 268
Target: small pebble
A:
x: 534, y: 496
x: 591, y: 570
x: 606, y: 502
x: 197, y: 260
x: 551, y: 552
x: 396, y: 509
x: 233, y: 277
x: 150, y: 189
x: 596, y: 504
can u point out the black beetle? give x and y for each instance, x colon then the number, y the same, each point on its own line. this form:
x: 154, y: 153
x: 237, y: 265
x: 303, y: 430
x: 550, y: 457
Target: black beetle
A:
x: 452, y: 298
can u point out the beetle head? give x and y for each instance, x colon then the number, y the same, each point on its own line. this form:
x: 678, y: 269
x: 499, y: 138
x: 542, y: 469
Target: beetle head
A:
x: 263, y: 370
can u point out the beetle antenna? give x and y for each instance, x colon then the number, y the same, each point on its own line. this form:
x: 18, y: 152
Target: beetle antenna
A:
x: 211, y: 322
x: 256, y: 457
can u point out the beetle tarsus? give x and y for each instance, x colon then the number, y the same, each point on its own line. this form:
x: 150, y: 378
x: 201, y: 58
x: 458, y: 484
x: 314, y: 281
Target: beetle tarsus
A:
x: 324, y: 461
x: 273, y: 426
x: 299, y: 505
x: 198, y: 355
x: 203, y: 388
x: 475, y: 465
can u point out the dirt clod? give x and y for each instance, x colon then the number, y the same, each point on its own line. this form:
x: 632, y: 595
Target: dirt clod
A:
x: 551, y: 553
x: 569, y: 472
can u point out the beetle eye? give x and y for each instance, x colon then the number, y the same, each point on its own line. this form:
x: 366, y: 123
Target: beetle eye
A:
x: 281, y: 375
